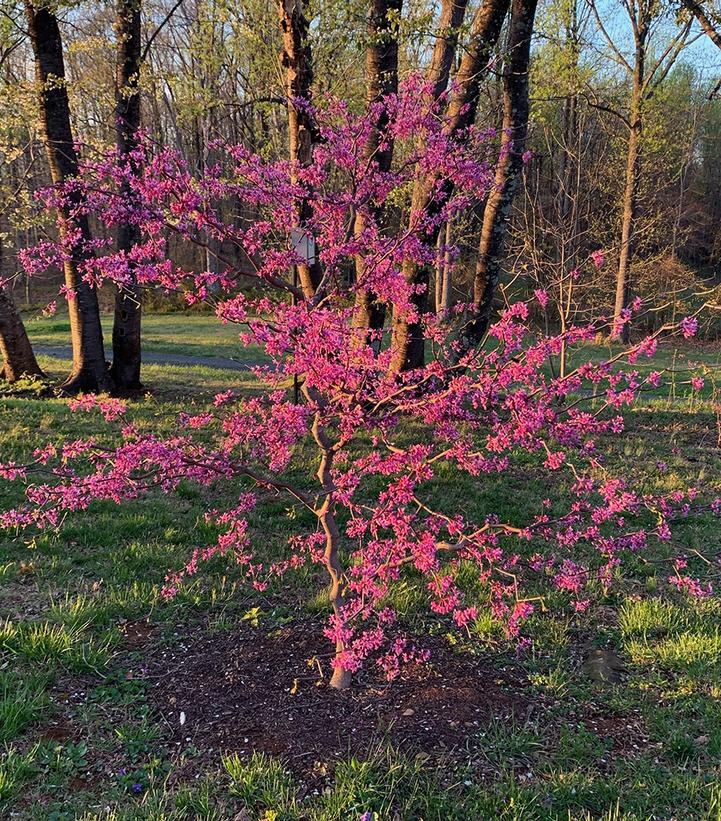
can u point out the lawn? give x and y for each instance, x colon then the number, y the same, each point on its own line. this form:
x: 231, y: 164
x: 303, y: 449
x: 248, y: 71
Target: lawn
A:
x: 116, y: 704
x: 188, y: 334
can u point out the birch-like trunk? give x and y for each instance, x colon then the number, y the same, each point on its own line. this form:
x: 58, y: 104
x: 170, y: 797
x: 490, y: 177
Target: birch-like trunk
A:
x: 296, y: 59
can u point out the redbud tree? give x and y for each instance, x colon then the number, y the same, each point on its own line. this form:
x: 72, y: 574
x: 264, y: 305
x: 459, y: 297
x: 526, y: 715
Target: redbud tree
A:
x: 380, y: 434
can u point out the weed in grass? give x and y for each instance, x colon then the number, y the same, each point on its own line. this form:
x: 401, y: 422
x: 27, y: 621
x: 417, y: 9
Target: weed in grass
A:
x: 78, y: 611
x: 714, y: 808
x: 551, y: 634
x: 485, y: 629
x: 556, y: 681
x: 201, y: 803
x: 119, y: 689
x: 137, y: 739
x: 62, y: 760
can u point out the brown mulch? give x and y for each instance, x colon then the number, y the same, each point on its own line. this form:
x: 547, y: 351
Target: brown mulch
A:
x: 137, y: 634
x: 249, y: 690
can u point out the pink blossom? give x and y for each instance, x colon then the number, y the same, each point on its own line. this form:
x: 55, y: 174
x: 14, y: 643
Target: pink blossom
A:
x: 689, y: 326
x: 598, y: 258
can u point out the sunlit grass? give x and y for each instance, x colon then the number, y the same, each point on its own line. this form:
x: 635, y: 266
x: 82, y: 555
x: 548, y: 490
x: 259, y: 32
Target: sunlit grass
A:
x: 189, y: 334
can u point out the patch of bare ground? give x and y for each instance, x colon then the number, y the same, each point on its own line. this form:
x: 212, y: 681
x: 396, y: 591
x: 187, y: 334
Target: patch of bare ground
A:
x: 624, y: 735
x: 136, y: 634
x: 247, y: 691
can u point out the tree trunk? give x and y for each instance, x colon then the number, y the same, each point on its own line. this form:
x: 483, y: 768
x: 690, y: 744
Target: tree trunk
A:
x: 630, y: 195
x: 570, y: 154
x: 445, y: 269
x: 408, y: 342
x: 449, y: 23
x: 125, y: 369
x: 381, y: 81
x: 341, y: 679
x: 15, y: 347
x: 296, y: 59
x: 89, y: 371
x: 497, y: 212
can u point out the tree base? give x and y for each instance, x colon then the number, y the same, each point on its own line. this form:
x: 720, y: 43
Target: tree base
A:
x: 87, y: 381
x: 10, y: 376
x: 126, y: 377
x: 341, y: 679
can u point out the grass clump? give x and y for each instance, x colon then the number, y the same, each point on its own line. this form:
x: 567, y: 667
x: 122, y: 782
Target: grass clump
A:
x: 22, y: 701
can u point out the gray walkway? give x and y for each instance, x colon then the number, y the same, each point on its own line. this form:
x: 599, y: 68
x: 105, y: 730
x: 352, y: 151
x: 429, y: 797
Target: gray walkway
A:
x: 221, y: 362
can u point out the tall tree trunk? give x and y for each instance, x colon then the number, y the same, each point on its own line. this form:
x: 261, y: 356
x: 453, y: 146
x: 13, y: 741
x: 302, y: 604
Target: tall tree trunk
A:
x: 630, y: 193
x: 408, y: 342
x: 570, y: 153
x: 89, y: 371
x: 296, y: 59
x: 497, y: 212
x: 444, y: 50
x: 381, y: 81
x: 125, y: 369
x: 15, y: 347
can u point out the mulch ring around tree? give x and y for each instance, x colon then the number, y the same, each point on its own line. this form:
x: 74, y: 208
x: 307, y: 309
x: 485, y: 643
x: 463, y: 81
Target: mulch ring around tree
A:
x: 248, y: 690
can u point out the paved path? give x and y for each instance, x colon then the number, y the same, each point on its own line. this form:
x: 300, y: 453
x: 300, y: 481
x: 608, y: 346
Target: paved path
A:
x: 221, y: 362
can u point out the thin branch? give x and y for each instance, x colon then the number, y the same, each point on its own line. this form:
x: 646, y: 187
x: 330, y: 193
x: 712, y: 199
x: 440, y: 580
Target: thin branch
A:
x: 157, y: 31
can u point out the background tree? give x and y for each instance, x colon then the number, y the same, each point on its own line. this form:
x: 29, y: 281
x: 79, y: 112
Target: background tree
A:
x: 90, y: 371
x: 125, y: 370
x: 647, y: 64
x: 17, y: 352
x: 514, y: 129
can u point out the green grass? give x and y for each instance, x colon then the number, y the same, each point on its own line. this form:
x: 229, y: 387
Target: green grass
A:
x: 23, y: 700
x: 191, y: 334
x: 75, y: 722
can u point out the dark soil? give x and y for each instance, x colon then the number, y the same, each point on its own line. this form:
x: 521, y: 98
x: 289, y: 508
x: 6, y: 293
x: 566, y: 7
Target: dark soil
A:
x: 251, y: 691
x: 137, y: 634
x: 623, y: 735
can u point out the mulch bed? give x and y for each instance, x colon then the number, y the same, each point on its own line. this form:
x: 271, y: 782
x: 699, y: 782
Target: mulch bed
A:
x: 249, y: 690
